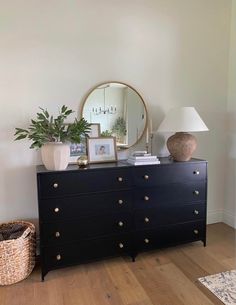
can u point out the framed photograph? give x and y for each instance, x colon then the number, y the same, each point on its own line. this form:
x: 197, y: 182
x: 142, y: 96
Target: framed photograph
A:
x: 76, y: 150
x: 101, y: 150
x: 95, y: 130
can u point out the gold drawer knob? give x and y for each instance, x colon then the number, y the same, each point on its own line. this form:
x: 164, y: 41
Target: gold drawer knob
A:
x: 121, y: 246
x: 146, y: 219
x: 196, y: 212
x: 196, y: 172
x: 56, y: 210
x: 120, y: 179
x: 120, y: 223
x: 195, y: 232
x: 55, y: 185
x: 146, y: 198
x: 57, y: 234
x: 58, y: 257
x: 120, y: 201
x: 146, y: 240
x: 196, y: 192
x: 146, y: 177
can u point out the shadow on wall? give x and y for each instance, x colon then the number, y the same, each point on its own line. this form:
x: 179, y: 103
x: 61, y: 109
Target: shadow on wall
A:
x: 230, y: 205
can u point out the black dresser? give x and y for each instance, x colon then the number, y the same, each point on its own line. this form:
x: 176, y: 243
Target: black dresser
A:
x: 117, y: 208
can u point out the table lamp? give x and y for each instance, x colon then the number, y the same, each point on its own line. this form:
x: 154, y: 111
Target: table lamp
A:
x: 182, y: 120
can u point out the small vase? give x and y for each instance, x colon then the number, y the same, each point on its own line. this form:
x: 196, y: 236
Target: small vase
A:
x: 82, y: 161
x: 55, y: 155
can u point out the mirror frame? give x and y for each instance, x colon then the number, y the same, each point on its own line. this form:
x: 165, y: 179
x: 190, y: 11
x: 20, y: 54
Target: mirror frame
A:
x: 125, y: 84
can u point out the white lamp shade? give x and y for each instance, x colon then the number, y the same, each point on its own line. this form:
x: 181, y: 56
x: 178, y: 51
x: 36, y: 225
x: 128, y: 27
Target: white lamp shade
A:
x: 184, y: 119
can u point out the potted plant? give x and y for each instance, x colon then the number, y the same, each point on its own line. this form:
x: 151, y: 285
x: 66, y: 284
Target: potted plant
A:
x: 53, y: 136
x: 119, y: 129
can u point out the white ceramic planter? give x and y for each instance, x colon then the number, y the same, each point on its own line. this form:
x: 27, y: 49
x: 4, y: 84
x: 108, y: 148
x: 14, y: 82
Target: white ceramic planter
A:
x: 55, y: 155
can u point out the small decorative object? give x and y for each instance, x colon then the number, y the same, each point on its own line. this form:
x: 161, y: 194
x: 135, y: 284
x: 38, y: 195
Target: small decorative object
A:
x: 101, y: 150
x: 82, y: 161
x: 182, y: 120
x: 95, y: 130
x: 52, y: 135
x: 17, y: 251
x: 119, y: 129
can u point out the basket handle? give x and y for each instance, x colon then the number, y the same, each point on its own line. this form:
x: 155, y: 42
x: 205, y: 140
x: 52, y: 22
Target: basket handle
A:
x: 26, y: 232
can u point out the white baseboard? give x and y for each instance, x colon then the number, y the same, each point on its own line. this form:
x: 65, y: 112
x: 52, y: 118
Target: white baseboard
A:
x: 214, y: 216
x: 221, y: 216
x: 229, y: 218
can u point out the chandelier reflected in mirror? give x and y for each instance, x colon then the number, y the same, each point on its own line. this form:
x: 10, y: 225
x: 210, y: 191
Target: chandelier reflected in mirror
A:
x: 111, y: 109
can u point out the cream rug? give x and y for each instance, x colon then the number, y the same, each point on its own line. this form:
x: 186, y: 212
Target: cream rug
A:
x: 223, y: 285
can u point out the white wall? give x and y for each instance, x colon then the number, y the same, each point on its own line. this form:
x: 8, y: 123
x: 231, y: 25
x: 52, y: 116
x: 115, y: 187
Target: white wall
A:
x: 230, y: 203
x: 174, y: 52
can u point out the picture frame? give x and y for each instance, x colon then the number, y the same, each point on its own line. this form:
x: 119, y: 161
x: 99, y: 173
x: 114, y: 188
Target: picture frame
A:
x: 95, y: 131
x: 101, y: 149
x: 77, y: 150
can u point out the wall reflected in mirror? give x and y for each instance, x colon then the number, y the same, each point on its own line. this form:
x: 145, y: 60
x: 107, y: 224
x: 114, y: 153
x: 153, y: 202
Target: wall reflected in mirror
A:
x: 119, y: 109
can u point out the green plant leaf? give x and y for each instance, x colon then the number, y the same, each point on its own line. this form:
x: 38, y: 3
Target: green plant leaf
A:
x: 20, y: 137
x: 45, y: 128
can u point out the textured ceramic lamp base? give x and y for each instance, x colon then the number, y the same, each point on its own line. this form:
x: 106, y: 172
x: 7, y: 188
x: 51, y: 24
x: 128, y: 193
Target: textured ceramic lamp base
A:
x: 181, y: 146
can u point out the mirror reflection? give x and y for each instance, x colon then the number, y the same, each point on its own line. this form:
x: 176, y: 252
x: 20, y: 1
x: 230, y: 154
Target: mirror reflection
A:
x: 119, y: 109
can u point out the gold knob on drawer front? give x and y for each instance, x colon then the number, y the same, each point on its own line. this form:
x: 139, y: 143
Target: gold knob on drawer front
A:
x: 120, y: 201
x: 146, y: 240
x: 56, y: 210
x: 120, y: 179
x: 57, y: 234
x: 196, y: 192
x: 121, y: 246
x: 120, y: 224
x: 146, y: 198
x: 55, y: 185
x: 196, y: 212
x: 196, y: 172
x: 146, y: 219
x: 58, y: 257
x: 195, y: 232
x: 146, y: 177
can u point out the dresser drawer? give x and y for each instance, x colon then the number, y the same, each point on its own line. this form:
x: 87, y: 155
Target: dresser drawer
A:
x: 85, y: 251
x: 154, y: 175
x: 57, y: 209
x: 86, y: 227
x: 70, y: 183
x: 171, y: 194
x: 156, y: 217
x: 171, y: 235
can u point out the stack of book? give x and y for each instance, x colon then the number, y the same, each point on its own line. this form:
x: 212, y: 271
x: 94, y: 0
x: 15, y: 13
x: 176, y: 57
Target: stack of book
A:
x: 142, y: 158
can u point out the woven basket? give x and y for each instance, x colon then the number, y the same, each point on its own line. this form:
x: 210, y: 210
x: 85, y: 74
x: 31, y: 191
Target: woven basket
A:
x: 17, y: 256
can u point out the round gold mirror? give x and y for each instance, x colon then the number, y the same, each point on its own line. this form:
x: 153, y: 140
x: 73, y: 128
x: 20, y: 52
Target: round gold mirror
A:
x: 120, y: 111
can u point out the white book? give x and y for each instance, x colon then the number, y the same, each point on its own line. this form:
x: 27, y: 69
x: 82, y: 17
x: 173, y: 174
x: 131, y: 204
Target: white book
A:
x: 139, y: 152
x: 141, y: 158
x: 141, y: 155
x: 143, y: 162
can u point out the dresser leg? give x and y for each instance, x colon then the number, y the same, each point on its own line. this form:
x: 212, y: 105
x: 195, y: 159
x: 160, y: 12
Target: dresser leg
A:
x: 133, y: 257
x: 43, y: 273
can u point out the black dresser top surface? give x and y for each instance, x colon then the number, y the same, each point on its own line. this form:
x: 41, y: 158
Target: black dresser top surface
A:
x: 118, y: 164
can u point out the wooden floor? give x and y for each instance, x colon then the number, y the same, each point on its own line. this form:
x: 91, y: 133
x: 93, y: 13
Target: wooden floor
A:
x: 162, y: 277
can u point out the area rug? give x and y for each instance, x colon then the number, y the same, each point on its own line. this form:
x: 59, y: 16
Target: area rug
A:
x: 223, y: 285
